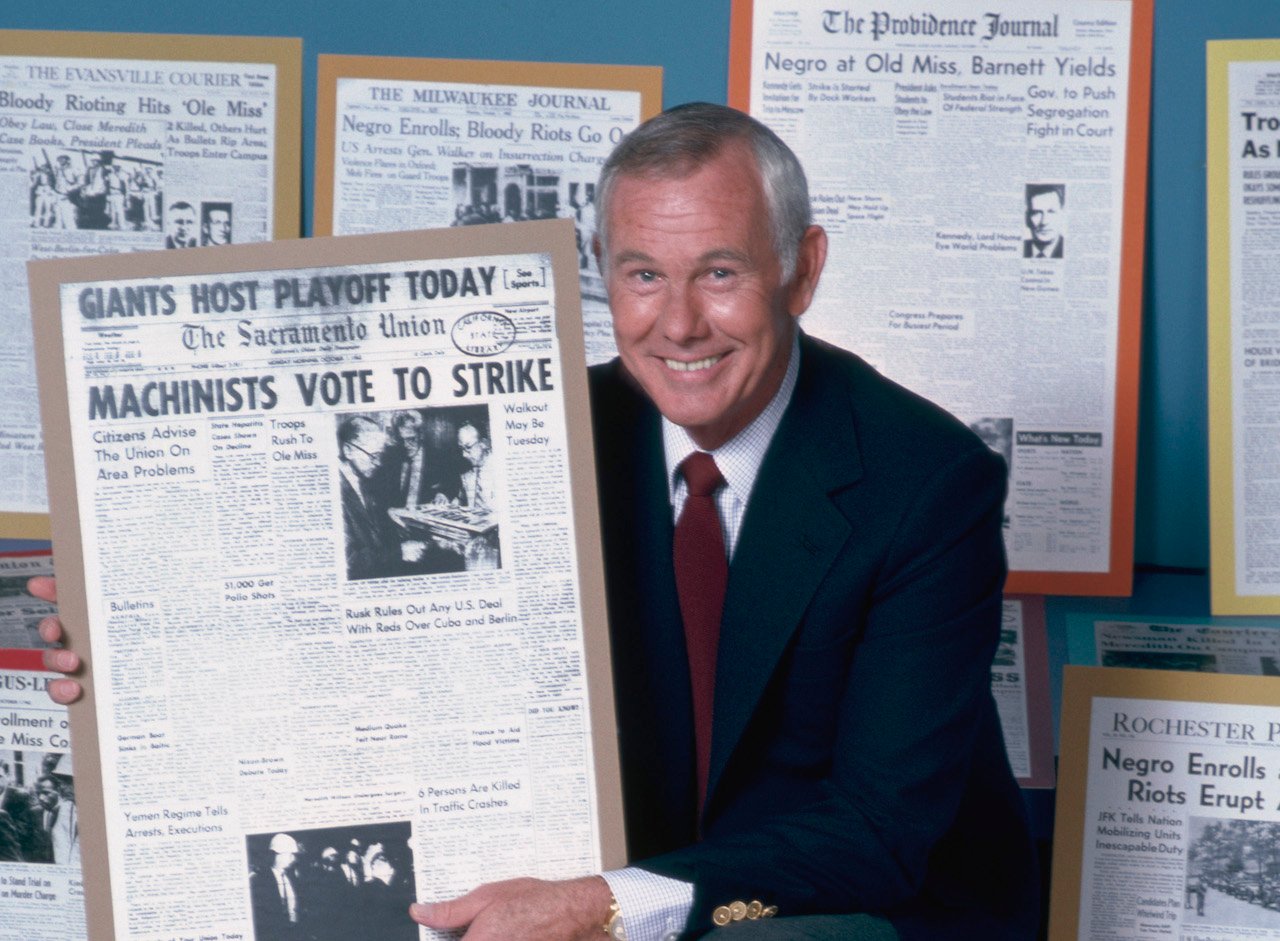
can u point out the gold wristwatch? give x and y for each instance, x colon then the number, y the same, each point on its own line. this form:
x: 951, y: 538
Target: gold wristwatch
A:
x: 613, y: 926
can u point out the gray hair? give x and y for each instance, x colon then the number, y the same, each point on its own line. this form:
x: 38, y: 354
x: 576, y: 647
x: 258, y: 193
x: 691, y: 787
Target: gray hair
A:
x: 676, y: 142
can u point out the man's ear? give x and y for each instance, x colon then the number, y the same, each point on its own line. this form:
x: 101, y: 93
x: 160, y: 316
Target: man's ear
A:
x: 810, y: 260
x: 596, y: 250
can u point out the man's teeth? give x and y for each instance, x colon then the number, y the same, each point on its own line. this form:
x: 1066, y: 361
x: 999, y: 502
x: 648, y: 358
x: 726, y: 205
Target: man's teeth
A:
x: 680, y: 366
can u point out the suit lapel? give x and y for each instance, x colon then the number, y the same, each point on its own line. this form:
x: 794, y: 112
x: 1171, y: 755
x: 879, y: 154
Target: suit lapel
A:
x: 791, y: 534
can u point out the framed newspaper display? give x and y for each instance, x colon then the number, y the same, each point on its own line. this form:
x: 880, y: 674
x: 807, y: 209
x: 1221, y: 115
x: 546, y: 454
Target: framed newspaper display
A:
x: 113, y: 142
x: 1243, y: 116
x: 41, y: 891
x: 327, y: 533
x: 1020, y: 685
x: 424, y: 143
x: 1168, y: 808
x: 949, y: 147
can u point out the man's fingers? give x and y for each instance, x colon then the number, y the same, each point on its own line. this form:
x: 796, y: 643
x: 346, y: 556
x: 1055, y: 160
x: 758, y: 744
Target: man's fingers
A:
x: 63, y: 661
x: 65, y: 692
x: 44, y: 587
x: 50, y: 629
x: 452, y: 913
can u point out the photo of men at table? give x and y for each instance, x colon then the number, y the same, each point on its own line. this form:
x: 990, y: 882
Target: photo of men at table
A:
x: 421, y: 491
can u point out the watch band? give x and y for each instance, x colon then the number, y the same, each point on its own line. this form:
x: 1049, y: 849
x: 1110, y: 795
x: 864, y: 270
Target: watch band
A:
x: 613, y: 926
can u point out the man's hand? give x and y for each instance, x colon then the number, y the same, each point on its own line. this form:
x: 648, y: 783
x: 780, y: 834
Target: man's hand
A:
x: 523, y: 910
x: 64, y: 661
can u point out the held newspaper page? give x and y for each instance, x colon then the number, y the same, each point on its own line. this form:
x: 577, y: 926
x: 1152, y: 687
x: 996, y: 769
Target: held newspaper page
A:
x: 1244, y: 326
x: 1168, y: 808
x: 969, y: 167
x: 411, y: 143
x: 113, y: 143
x: 41, y: 893
x: 337, y: 528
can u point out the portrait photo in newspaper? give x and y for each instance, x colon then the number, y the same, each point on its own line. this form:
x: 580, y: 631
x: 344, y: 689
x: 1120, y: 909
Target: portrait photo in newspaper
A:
x: 215, y: 223
x: 1046, y: 220
x: 332, y: 883
x: 421, y: 492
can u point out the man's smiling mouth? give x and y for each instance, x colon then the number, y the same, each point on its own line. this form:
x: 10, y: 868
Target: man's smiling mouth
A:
x: 680, y: 366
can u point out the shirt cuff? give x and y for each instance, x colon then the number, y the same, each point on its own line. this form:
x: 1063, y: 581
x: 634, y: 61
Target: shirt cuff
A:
x: 654, y: 907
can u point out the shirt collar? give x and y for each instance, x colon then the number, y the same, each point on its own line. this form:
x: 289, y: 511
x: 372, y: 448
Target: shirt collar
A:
x: 740, y: 457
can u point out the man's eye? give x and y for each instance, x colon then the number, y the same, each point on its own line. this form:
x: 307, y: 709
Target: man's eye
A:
x: 721, y: 274
x: 646, y: 277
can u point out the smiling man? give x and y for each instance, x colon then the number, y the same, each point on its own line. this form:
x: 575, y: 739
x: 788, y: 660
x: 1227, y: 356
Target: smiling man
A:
x: 808, y: 741
x: 804, y: 569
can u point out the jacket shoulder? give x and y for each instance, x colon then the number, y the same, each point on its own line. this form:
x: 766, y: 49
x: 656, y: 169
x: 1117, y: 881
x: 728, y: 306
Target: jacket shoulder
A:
x: 895, y: 428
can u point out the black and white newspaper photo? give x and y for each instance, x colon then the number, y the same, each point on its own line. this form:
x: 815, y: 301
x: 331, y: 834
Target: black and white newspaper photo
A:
x: 20, y: 613
x: 112, y: 154
x: 954, y: 150
x: 1181, y: 816
x: 424, y: 153
x: 41, y: 893
x: 367, y: 469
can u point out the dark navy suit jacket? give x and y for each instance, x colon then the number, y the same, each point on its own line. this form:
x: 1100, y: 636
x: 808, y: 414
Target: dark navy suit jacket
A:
x: 857, y: 762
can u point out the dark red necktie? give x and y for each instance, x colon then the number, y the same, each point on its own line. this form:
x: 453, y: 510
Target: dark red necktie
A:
x: 702, y: 574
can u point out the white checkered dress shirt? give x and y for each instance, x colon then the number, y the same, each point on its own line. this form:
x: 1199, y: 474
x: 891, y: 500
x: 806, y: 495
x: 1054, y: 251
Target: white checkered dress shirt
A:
x: 655, y: 908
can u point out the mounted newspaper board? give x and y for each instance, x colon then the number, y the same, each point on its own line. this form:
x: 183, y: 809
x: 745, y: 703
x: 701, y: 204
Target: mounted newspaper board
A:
x: 1020, y: 685
x: 326, y: 528
x: 123, y: 143
x: 1243, y: 115
x: 413, y: 143
x: 1168, y: 806
x: 947, y: 148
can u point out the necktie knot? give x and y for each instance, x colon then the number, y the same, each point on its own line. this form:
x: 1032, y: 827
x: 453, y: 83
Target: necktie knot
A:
x: 701, y: 474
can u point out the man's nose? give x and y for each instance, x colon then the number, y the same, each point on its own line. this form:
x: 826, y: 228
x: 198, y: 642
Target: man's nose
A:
x: 683, y: 317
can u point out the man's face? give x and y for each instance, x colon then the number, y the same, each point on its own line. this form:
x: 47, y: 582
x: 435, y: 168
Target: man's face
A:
x: 408, y: 431
x: 5, y: 777
x: 471, y: 446
x: 47, y: 795
x: 219, y: 227
x: 1044, y: 217
x: 364, y: 453
x: 701, y: 315
x: 182, y: 223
